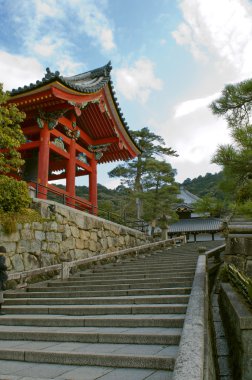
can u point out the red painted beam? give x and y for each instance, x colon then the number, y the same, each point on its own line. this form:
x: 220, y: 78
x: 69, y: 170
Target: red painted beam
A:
x: 29, y: 145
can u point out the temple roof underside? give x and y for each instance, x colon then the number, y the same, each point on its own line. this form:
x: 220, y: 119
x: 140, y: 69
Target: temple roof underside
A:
x: 98, y: 115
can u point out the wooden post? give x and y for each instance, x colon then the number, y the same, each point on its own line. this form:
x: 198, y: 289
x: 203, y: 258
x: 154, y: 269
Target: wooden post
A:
x: 43, y: 161
x: 70, y: 173
x: 93, y: 185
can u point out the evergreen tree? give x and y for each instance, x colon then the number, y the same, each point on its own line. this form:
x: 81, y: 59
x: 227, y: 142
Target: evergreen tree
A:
x: 11, y: 135
x: 132, y: 172
x: 235, y: 104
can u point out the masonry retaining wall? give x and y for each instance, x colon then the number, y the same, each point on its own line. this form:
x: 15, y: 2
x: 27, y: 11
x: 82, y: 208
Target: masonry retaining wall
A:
x: 65, y: 235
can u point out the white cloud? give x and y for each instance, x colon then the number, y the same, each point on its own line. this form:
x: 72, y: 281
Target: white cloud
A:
x: 93, y: 22
x: 17, y: 70
x: 193, y: 105
x: 138, y: 81
x: 220, y: 29
x: 195, y: 138
x: 46, y: 47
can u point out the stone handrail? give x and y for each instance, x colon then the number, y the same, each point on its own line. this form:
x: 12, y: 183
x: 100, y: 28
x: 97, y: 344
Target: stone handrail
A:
x: 191, y: 362
x: 65, y: 267
x: 215, y: 252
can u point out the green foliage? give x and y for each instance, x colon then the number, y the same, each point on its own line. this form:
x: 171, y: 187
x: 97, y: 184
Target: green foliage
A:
x: 142, y: 176
x: 159, y: 190
x: 152, y: 146
x: 9, y: 220
x: 208, y: 185
x: 235, y: 105
x: 11, y: 135
x: 210, y: 206
x: 13, y: 194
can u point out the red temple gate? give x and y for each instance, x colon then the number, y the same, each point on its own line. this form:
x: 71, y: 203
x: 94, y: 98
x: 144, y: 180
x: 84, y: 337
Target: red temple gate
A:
x: 72, y: 123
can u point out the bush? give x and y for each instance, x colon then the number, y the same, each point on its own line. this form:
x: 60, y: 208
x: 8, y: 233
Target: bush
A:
x: 13, y: 194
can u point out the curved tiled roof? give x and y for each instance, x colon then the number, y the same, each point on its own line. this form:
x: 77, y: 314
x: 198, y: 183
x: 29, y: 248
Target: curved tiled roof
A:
x: 196, y: 225
x: 88, y: 82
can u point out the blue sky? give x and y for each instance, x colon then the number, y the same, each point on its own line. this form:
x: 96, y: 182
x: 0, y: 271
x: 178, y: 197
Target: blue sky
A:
x: 170, y: 59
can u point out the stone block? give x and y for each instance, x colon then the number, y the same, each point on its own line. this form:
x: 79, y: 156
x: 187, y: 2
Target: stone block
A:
x: 67, y: 231
x: 37, y: 226
x: 104, y: 243
x: 53, y: 247
x: 81, y: 254
x: 17, y: 263
x: 61, y: 228
x: 93, y: 236
x: 15, y: 236
x: 69, y: 243
x: 35, y: 246
x: 52, y: 226
x: 59, y: 218
x: 110, y: 241
x: 92, y: 246
x: 50, y: 236
x: 30, y: 261
x: 48, y: 259
x: 27, y: 234
x: 62, y: 211
x: 84, y: 235
x: 23, y: 246
x: 40, y: 235
x: 80, y: 222
x: 75, y: 231
x: 79, y: 243
x: 44, y: 245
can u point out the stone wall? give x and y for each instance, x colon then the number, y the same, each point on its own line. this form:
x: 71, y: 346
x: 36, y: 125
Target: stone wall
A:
x: 237, y: 319
x: 65, y: 234
x: 239, y: 244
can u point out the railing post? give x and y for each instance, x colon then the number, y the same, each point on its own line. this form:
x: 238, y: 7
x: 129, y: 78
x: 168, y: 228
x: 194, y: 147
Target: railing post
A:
x: 65, y: 270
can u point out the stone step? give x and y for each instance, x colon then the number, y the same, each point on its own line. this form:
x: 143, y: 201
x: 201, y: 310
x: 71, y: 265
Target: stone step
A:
x: 97, y: 309
x: 121, y: 267
x: 112, y: 280
x: 116, y: 355
x: 148, y: 285
x: 130, y: 320
x: 131, y: 274
x: 168, y: 299
x: 127, y: 314
x: 76, y: 294
x: 114, y: 335
x: 30, y: 371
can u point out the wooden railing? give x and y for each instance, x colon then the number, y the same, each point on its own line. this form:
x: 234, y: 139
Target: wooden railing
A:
x: 61, y: 196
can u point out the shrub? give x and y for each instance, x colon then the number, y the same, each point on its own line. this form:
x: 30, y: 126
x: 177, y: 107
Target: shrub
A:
x: 13, y: 194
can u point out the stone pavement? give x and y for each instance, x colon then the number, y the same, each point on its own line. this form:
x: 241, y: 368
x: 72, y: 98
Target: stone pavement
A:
x: 115, y: 321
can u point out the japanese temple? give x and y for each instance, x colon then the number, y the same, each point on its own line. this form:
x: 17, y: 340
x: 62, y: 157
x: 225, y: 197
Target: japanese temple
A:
x: 71, y: 125
x: 196, y: 227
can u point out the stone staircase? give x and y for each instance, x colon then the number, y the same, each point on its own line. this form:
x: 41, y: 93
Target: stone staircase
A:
x: 114, y: 321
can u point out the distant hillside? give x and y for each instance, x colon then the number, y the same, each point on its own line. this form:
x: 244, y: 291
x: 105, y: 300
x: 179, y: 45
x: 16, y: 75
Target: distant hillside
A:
x: 112, y: 200
x: 205, y: 185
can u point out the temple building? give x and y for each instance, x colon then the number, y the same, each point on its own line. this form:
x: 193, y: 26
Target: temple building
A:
x: 71, y: 125
x: 196, y: 227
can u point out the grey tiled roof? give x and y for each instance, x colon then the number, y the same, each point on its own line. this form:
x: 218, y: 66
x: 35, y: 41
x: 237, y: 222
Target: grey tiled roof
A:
x: 196, y: 225
x: 88, y: 82
x: 187, y: 197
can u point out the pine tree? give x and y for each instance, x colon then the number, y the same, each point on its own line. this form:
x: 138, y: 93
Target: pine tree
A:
x: 235, y: 104
x: 132, y: 172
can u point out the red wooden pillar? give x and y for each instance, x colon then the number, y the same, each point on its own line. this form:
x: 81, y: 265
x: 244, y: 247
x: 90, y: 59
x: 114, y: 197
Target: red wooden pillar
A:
x: 43, y: 161
x: 93, y: 185
x: 70, y: 172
